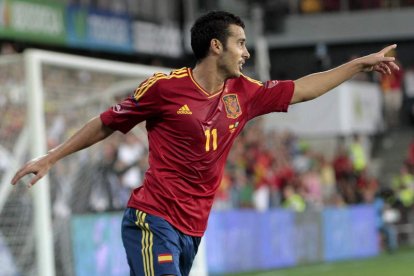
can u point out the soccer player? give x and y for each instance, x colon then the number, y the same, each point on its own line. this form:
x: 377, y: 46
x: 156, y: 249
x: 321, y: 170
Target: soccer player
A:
x: 192, y: 117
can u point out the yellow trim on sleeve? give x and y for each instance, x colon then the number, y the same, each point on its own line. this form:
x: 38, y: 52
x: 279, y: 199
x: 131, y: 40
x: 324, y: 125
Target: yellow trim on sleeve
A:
x: 140, y: 91
x: 253, y: 80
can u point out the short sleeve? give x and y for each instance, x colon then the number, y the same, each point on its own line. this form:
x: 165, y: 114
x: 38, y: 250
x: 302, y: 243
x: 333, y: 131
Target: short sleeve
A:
x: 143, y: 105
x: 272, y: 96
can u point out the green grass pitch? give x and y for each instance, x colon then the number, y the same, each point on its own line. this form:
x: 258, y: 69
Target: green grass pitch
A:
x: 400, y: 263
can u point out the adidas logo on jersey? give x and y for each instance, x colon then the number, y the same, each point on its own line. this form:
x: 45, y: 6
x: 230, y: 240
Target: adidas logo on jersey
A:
x: 184, y: 110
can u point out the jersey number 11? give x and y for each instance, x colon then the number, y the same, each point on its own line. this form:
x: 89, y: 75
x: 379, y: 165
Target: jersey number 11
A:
x: 211, y: 133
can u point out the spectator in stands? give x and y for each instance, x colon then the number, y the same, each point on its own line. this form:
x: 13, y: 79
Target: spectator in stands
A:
x: 302, y: 161
x: 366, y: 182
x: 245, y: 187
x: 261, y: 195
x: 403, y: 189
x: 293, y: 200
x: 328, y: 182
x: 403, y: 185
x: 283, y: 175
x: 344, y: 174
x: 311, y: 183
x: 385, y: 219
x: 358, y: 156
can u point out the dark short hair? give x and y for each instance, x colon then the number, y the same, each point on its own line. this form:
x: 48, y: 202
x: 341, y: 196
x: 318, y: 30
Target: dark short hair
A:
x: 214, y: 24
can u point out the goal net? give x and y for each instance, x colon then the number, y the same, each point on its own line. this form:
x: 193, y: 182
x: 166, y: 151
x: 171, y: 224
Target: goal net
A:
x: 44, y: 98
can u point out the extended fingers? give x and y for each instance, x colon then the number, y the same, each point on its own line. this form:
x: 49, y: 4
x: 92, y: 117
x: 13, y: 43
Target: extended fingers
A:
x: 386, y: 67
x: 387, y: 49
x: 19, y: 174
x: 37, y: 175
x: 25, y: 170
x: 394, y: 66
x: 387, y: 59
x: 36, y: 178
x: 380, y: 68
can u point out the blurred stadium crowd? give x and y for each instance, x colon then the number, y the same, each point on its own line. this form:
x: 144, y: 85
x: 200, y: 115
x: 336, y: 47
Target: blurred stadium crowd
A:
x: 264, y: 169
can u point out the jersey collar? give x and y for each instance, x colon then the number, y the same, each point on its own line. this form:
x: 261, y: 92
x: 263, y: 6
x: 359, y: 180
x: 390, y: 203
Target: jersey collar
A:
x: 190, y: 73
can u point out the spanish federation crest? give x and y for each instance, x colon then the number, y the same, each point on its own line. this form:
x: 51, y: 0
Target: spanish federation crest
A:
x: 232, y: 105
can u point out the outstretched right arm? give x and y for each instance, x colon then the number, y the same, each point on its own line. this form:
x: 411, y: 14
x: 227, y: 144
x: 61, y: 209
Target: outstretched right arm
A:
x: 91, y: 133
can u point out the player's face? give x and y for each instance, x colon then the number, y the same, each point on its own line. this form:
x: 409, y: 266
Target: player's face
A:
x: 235, y: 53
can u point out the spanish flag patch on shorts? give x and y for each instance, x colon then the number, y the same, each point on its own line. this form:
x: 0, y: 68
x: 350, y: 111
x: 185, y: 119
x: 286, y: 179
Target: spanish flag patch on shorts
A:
x: 165, y: 258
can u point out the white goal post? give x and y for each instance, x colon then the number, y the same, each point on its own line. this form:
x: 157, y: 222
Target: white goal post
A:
x: 33, y: 62
x: 37, y: 124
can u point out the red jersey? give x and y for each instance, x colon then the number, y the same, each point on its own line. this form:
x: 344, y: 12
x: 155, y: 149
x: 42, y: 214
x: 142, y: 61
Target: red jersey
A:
x: 190, y: 134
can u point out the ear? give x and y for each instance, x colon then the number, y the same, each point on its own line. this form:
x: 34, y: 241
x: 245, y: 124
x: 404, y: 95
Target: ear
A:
x: 216, y: 46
